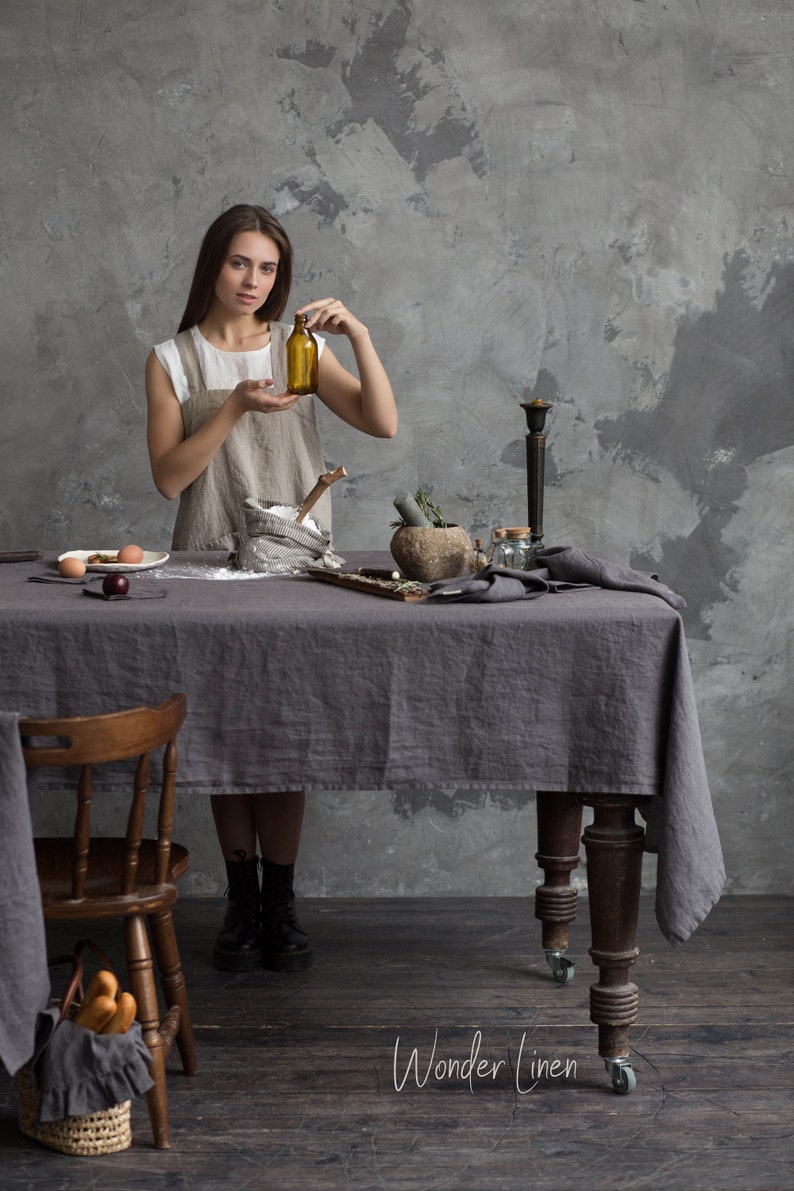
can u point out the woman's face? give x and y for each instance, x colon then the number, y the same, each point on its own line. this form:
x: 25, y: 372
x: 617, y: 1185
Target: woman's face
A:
x: 248, y: 274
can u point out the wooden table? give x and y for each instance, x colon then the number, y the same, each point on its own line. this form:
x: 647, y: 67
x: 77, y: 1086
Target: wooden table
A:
x: 291, y: 682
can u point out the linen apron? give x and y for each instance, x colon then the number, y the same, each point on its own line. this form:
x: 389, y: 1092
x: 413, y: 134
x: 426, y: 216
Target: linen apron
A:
x: 273, y: 457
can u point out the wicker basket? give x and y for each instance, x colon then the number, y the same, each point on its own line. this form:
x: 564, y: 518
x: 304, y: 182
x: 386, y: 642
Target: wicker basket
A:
x: 104, y: 1132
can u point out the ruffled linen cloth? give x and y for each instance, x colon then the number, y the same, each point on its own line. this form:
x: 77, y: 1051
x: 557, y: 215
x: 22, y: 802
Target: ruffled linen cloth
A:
x: 79, y: 1072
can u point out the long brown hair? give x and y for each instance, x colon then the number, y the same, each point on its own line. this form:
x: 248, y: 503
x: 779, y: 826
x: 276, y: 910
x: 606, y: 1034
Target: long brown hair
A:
x: 212, y: 254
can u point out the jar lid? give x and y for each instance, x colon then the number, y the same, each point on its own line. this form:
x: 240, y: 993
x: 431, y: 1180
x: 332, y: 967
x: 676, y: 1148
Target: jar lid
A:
x: 518, y: 531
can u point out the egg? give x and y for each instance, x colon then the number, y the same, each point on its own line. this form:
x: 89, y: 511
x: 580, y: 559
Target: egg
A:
x: 130, y: 554
x: 71, y: 568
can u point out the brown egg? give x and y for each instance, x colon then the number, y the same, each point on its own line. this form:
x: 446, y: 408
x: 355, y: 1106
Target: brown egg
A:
x: 71, y: 568
x: 130, y: 554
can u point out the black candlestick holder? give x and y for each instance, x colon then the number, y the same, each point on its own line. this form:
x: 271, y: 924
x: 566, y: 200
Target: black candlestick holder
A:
x: 536, y: 465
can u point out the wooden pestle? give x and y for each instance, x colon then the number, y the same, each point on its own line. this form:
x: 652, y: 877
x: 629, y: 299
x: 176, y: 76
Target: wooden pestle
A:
x: 319, y: 488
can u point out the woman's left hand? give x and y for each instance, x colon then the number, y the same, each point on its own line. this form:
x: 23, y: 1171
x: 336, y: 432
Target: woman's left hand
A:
x: 365, y: 401
x: 333, y: 318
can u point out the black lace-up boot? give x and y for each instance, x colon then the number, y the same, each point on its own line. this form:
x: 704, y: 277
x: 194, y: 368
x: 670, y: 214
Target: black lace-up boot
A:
x: 238, y: 948
x: 285, y: 944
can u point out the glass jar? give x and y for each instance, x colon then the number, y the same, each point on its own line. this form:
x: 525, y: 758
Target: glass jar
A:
x: 521, y: 547
x: 496, y: 554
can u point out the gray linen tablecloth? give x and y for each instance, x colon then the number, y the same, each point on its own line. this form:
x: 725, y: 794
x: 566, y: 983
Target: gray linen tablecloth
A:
x: 24, y: 978
x: 295, y: 682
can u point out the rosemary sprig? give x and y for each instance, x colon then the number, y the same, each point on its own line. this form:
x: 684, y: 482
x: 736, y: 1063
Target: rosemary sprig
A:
x: 431, y: 511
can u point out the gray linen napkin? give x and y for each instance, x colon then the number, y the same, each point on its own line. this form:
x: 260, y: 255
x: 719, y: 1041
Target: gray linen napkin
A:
x: 558, y: 568
x: 24, y: 978
x: 576, y: 565
x: 96, y: 578
x: 144, y: 593
x: 495, y: 585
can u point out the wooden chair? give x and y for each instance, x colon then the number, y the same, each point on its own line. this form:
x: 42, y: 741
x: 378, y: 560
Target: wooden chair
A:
x: 88, y: 877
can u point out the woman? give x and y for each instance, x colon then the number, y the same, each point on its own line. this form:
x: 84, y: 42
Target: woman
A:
x: 219, y: 432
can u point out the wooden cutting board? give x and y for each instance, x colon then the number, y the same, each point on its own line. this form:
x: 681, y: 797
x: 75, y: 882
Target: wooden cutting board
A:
x: 382, y: 587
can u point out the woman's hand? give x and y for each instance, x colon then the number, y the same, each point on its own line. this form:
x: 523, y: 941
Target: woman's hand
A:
x: 330, y: 316
x: 253, y: 395
x: 365, y: 401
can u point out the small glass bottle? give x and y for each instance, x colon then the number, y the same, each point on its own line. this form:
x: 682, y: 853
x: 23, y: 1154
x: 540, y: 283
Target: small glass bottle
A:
x: 301, y: 358
x: 477, y: 560
x: 519, y: 539
x: 496, y: 551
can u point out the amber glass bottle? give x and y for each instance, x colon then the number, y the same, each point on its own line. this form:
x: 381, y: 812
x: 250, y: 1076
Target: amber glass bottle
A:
x: 301, y: 358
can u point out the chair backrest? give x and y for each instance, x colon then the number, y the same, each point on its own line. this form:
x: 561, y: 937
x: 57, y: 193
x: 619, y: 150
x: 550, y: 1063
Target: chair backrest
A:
x: 86, y: 741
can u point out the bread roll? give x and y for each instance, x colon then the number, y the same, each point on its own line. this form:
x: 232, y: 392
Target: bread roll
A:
x: 96, y: 1013
x: 103, y: 984
x: 124, y: 1016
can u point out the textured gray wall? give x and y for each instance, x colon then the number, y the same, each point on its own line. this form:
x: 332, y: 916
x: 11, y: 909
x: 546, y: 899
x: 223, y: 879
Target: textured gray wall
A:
x: 588, y: 202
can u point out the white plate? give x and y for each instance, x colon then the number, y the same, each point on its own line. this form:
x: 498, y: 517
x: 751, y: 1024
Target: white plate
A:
x: 151, y: 558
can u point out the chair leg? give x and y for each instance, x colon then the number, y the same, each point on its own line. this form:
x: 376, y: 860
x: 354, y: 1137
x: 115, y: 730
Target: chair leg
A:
x: 140, y: 970
x: 166, y: 953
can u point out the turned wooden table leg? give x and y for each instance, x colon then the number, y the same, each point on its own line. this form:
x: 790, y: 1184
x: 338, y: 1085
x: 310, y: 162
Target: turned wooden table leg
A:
x: 614, y: 843
x: 559, y: 828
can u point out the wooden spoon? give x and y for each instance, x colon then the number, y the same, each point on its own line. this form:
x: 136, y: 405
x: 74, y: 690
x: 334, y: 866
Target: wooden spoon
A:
x: 323, y: 482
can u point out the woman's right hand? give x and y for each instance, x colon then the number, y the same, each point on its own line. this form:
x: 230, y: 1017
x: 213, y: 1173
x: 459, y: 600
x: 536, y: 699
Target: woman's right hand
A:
x: 254, y: 395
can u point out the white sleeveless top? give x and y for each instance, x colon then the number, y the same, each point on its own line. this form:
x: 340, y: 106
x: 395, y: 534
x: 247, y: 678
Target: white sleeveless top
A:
x: 271, y: 457
x: 220, y: 369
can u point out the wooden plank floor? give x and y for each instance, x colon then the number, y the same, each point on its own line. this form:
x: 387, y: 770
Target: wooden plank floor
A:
x: 299, y: 1074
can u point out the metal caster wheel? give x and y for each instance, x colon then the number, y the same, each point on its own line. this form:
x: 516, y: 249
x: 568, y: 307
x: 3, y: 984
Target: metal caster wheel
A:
x: 622, y: 1075
x: 561, y: 967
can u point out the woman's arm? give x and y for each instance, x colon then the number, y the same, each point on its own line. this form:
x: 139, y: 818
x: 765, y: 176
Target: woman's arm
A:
x: 367, y: 401
x: 176, y: 461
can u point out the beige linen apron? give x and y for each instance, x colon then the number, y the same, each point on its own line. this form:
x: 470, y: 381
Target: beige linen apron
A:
x: 275, y: 457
